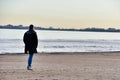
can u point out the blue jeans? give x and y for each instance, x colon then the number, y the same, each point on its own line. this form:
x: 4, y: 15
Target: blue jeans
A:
x: 30, y: 59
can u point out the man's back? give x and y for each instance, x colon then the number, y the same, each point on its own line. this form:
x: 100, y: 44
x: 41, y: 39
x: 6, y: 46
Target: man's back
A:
x: 30, y: 38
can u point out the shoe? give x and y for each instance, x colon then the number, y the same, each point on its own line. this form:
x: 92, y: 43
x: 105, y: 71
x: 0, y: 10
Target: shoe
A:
x: 29, y: 68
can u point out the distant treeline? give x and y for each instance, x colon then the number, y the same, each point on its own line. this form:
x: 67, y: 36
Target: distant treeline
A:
x: 61, y: 29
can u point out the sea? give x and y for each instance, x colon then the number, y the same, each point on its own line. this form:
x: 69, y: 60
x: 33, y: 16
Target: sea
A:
x: 11, y: 41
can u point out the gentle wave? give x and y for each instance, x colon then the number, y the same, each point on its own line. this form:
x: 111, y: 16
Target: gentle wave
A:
x: 61, y: 45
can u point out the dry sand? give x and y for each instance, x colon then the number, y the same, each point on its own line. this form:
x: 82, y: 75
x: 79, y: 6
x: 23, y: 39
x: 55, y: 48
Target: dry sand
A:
x: 91, y: 66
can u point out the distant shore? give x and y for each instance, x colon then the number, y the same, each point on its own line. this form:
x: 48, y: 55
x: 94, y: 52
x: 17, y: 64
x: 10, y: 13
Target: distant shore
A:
x: 80, y: 66
x: 92, y: 29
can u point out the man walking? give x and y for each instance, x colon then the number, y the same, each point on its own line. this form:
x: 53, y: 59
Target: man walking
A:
x: 31, y: 42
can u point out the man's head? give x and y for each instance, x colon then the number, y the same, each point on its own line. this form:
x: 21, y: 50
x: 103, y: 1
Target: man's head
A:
x: 31, y: 27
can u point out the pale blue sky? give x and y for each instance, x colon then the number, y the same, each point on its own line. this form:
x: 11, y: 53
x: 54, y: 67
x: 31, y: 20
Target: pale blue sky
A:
x: 61, y: 13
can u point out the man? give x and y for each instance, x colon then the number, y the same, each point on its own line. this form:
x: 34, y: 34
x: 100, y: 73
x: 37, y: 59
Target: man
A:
x: 31, y: 42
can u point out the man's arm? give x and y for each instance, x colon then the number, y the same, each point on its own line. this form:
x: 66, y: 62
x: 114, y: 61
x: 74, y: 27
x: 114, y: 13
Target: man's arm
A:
x: 36, y: 40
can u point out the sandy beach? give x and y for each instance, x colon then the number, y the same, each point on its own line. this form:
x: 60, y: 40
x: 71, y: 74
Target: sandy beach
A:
x: 83, y: 66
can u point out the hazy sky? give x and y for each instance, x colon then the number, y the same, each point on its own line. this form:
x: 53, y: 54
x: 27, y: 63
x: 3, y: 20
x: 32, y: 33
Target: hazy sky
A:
x: 61, y: 13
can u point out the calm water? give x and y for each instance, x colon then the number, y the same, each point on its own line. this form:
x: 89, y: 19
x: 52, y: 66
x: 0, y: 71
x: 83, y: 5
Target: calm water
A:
x: 61, y: 41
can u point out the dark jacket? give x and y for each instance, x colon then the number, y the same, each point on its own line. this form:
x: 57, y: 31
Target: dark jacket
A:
x: 31, y: 41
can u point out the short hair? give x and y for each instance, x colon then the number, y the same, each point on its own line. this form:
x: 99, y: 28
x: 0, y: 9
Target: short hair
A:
x: 31, y: 27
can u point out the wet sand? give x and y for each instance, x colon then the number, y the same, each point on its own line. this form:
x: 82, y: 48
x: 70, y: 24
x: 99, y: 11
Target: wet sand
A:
x: 83, y: 66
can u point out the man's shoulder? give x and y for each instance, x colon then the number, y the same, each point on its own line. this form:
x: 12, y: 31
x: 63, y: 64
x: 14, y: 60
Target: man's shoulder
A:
x: 26, y: 32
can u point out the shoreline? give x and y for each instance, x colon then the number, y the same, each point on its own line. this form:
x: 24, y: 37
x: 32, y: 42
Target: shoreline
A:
x: 67, y: 53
